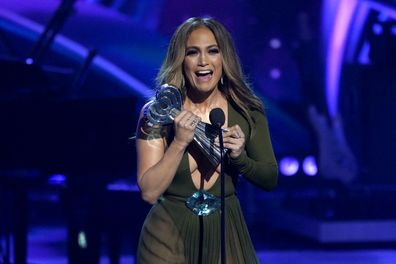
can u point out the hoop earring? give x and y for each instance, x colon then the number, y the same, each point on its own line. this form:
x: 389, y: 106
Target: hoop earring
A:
x: 222, y: 81
x: 183, y: 82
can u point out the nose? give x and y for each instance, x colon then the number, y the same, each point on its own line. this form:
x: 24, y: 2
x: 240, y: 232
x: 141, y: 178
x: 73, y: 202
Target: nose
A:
x: 202, y: 61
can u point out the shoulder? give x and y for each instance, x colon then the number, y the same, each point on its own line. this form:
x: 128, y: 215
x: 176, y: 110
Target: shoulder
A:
x: 257, y: 115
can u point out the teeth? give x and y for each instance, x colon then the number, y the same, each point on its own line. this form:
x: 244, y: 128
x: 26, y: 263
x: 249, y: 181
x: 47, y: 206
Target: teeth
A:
x: 204, y: 72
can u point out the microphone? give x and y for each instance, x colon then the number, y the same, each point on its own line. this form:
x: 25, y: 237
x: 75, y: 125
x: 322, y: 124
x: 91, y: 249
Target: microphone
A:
x: 217, y: 117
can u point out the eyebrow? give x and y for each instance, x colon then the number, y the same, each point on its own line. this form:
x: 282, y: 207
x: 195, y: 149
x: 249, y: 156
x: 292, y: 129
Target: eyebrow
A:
x: 208, y: 47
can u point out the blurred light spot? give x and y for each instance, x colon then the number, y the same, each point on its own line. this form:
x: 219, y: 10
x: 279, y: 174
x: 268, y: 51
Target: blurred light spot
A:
x: 364, y: 57
x: 382, y: 17
x: 275, y: 73
x: 57, y: 179
x: 377, y: 29
x: 29, y: 61
x: 289, y: 166
x: 393, y: 30
x: 122, y: 186
x: 82, y: 240
x: 310, y: 167
x: 275, y: 43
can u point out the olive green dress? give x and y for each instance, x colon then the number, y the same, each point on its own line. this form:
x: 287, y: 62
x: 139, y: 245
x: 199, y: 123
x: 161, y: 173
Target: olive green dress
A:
x: 172, y: 233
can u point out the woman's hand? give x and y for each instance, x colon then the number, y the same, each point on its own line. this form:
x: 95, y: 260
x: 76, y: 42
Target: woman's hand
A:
x: 185, y: 124
x: 234, y: 140
x: 157, y: 163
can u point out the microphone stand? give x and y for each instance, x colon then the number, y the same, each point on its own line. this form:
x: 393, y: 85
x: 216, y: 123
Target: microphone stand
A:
x: 217, y: 118
x: 222, y: 202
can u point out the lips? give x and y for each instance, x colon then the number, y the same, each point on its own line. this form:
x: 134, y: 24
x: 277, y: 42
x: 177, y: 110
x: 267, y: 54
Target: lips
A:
x: 204, y: 75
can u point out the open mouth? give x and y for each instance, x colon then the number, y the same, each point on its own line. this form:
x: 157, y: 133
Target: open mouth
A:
x: 204, y: 75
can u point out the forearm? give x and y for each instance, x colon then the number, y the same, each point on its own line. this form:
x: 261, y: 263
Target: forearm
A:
x: 262, y: 173
x: 156, y: 179
x: 258, y: 163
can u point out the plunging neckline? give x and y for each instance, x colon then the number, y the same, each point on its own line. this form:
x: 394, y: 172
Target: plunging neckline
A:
x: 186, y: 159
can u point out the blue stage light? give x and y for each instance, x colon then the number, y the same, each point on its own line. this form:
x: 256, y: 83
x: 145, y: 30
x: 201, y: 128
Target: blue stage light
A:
x: 393, y: 30
x: 382, y: 17
x: 57, y: 179
x: 377, y: 29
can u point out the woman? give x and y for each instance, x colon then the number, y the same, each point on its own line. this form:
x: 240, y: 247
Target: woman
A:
x: 201, y: 61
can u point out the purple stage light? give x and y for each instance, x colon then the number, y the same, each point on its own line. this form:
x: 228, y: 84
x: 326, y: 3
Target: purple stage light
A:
x: 275, y: 73
x: 337, y: 39
x: 289, y: 166
x: 309, y: 166
x: 29, y: 61
x: 357, y: 25
x: 275, y: 43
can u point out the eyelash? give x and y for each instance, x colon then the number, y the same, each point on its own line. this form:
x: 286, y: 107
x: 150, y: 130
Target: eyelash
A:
x: 193, y: 52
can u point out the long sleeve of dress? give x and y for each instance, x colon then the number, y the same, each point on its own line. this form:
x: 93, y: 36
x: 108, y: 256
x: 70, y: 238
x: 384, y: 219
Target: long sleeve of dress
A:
x: 258, y: 163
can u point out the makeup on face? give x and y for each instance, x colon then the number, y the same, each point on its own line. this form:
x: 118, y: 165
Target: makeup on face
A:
x: 203, y: 61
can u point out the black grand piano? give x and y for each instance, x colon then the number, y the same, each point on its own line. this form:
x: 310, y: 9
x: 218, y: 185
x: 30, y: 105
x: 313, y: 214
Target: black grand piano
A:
x: 54, y: 123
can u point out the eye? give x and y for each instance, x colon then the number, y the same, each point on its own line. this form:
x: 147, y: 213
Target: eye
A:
x: 214, y: 51
x: 191, y: 52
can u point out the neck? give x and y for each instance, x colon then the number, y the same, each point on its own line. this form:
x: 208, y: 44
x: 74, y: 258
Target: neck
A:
x: 203, y: 102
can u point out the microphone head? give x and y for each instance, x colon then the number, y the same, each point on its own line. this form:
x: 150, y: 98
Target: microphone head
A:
x: 217, y: 117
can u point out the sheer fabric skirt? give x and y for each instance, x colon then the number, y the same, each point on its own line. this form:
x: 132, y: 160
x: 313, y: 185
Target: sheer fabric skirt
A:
x: 172, y: 234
